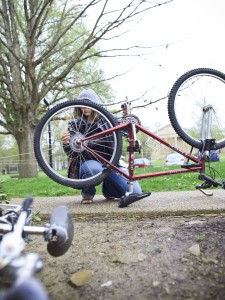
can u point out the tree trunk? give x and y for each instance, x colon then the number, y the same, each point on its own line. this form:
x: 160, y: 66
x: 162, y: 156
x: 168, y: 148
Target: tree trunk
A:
x: 28, y: 166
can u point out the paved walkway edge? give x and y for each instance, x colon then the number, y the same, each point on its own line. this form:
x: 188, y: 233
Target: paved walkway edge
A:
x: 161, y: 204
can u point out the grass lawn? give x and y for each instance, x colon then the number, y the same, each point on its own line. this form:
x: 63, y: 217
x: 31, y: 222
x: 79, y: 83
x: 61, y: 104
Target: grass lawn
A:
x: 44, y: 186
x: 40, y: 186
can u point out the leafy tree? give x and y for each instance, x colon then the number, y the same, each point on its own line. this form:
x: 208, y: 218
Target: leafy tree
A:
x: 47, y: 51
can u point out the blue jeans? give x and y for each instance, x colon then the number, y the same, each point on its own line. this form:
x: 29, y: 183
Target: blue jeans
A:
x: 114, y: 185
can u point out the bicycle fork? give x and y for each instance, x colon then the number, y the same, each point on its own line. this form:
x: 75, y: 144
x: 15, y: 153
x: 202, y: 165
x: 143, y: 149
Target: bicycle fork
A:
x: 207, y: 145
x: 207, y: 141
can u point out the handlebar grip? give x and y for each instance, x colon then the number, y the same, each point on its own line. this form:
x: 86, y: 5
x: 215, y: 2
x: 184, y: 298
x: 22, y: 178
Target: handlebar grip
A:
x: 27, y: 290
x: 27, y: 203
x: 61, y: 231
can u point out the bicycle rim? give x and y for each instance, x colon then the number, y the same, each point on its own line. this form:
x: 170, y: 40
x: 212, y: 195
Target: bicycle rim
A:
x: 190, y: 93
x: 48, y: 146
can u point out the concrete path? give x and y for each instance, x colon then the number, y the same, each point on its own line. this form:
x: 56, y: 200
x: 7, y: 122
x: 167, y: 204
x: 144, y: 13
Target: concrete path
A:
x: 157, y: 204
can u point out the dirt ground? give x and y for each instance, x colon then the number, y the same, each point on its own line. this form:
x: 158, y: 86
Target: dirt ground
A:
x: 164, y: 258
x: 129, y: 258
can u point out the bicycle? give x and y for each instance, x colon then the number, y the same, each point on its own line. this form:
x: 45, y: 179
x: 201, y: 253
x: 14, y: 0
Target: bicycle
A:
x: 196, y: 94
x: 21, y: 267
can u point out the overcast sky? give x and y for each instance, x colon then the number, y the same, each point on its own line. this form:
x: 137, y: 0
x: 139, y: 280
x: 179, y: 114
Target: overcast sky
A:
x: 193, y: 31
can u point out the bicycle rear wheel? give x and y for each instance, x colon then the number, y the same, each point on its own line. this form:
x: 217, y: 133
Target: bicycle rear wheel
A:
x: 189, y: 94
x: 48, y: 146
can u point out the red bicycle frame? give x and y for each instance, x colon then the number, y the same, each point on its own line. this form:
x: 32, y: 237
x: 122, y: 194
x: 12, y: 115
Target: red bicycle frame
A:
x: 131, y: 127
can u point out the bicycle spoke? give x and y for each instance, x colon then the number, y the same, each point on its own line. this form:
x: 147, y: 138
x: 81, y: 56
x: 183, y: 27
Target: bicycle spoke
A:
x: 193, y: 92
x: 54, y: 158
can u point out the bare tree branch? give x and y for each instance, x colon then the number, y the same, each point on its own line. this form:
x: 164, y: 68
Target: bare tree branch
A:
x: 47, y: 50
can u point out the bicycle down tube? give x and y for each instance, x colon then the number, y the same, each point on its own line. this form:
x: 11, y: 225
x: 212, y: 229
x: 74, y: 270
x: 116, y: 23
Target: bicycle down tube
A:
x: 190, y: 168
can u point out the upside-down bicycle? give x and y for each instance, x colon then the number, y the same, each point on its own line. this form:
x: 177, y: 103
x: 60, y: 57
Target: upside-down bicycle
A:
x: 196, y: 112
x: 20, y: 267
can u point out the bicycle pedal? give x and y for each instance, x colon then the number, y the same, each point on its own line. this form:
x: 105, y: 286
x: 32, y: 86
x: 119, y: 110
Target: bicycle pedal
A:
x: 133, y: 197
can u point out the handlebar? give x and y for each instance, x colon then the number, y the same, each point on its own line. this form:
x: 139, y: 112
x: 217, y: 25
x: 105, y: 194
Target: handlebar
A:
x: 58, y: 232
x: 30, y: 289
x: 13, y: 261
x: 13, y: 244
x: 27, y: 203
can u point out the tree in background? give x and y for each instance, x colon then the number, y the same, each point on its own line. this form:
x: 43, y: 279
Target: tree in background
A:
x: 47, y: 51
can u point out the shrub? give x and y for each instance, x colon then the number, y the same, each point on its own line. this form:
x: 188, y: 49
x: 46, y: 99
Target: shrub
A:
x: 3, y: 196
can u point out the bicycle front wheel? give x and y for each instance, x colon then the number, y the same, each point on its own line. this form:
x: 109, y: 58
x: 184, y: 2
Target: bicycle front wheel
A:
x: 52, y: 157
x: 194, y: 90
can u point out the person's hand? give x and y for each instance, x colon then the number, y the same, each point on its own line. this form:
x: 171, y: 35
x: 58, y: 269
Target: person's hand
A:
x: 65, y: 138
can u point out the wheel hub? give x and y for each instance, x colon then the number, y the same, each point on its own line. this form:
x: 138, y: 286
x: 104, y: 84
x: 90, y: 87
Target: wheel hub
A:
x: 76, y: 143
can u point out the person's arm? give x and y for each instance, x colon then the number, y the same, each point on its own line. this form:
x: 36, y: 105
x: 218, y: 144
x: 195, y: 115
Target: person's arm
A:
x: 65, y: 138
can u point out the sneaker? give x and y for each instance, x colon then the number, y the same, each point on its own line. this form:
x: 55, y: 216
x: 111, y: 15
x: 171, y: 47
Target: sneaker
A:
x: 87, y: 201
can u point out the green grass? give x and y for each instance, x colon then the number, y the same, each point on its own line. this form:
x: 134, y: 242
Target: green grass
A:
x: 184, y: 181
x: 40, y: 186
x: 44, y: 186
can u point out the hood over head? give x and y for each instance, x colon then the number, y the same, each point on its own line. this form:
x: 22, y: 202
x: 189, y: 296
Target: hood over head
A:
x: 89, y: 94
